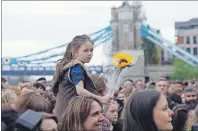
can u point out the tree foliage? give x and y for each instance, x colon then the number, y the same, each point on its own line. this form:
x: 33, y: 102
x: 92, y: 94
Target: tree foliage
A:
x: 183, y: 70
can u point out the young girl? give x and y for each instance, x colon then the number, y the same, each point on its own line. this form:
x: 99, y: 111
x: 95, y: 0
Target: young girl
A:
x: 71, y: 78
x: 111, y: 114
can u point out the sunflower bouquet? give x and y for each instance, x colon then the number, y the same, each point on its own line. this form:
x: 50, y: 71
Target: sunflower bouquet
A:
x: 122, y: 60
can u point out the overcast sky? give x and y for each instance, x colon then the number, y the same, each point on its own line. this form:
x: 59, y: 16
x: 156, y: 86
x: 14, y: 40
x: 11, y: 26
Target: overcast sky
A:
x: 32, y: 26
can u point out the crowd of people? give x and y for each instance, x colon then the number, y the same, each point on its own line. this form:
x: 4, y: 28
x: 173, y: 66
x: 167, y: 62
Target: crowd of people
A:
x: 79, y: 100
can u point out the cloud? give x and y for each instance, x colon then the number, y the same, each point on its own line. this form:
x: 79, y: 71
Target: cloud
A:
x: 21, y: 48
x: 54, y: 7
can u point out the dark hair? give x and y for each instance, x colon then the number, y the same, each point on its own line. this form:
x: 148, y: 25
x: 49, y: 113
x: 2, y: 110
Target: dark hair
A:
x: 118, y: 125
x: 180, y: 117
x: 40, y: 79
x: 179, y: 82
x: 129, y: 80
x: 38, y: 85
x: 139, y: 111
x: 3, y: 80
x: 189, y: 89
x: 75, y: 44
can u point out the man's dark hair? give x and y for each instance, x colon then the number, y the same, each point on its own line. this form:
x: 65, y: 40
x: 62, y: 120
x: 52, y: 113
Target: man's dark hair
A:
x: 38, y: 85
x: 40, y: 79
x: 147, y: 79
x: 179, y: 82
x: 128, y: 80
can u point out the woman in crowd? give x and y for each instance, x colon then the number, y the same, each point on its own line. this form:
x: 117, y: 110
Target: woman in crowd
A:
x: 147, y: 111
x: 71, y: 78
x: 82, y: 113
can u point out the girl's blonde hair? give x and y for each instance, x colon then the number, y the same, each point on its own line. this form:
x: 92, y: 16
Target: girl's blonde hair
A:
x: 106, y: 107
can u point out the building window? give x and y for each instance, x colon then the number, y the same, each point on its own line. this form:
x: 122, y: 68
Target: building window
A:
x: 188, y: 50
x: 187, y: 40
x: 194, y: 39
x: 195, y: 51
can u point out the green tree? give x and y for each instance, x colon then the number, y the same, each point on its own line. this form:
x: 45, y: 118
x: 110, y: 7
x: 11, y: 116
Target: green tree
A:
x: 183, y: 70
x: 150, y: 52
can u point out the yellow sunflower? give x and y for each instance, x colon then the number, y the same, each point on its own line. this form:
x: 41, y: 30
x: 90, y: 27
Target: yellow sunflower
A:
x: 121, y: 60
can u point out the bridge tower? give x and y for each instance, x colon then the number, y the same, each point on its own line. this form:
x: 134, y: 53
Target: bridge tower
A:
x: 126, y: 22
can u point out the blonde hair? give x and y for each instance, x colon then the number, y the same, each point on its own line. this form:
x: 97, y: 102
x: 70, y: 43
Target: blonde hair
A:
x: 106, y: 107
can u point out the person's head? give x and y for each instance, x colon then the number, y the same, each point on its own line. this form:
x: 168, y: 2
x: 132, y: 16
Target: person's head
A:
x: 150, y: 85
x: 180, y: 117
x: 139, y: 85
x: 39, y: 87
x: 128, y: 92
x: 147, y: 110
x: 179, y: 85
x: 99, y: 83
x: 190, y: 94
x: 42, y: 80
x: 82, y: 113
x: 23, y: 84
x: 162, y: 85
x: 120, y: 96
x: 81, y: 48
x: 171, y: 88
x: 128, y: 84
x: 34, y: 101
x: 111, y: 111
